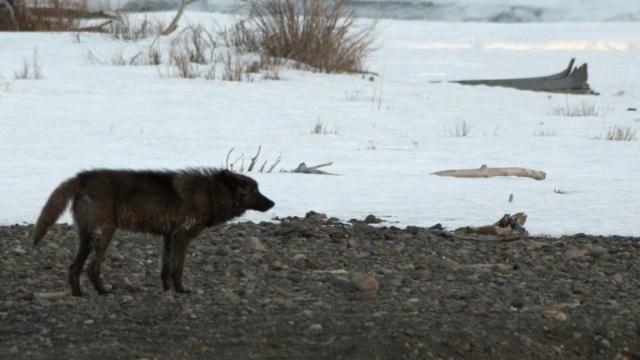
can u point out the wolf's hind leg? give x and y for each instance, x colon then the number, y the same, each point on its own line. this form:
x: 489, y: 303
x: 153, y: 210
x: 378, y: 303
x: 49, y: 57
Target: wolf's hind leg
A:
x: 102, y: 237
x: 84, y: 249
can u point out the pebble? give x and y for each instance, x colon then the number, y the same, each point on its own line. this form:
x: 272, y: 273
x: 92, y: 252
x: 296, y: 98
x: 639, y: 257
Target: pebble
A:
x: 618, y: 278
x: 342, y: 283
x: 275, y: 264
x: 449, y: 264
x: 222, y: 251
x: 315, y: 329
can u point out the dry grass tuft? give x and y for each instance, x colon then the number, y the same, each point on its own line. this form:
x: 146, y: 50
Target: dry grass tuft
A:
x: 31, y: 68
x: 618, y: 133
x: 572, y: 110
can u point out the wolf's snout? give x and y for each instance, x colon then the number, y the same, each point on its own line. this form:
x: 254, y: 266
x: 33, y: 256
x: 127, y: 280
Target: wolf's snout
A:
x: 263, y: 203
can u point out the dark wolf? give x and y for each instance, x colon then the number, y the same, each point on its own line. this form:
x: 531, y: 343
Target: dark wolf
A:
x: 177, y: 205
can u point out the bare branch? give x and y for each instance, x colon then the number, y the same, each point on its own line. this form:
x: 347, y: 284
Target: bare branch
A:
x: 226, y: 164
x: 174, y: 23
x: 254, y: 160
x: 274, y: 164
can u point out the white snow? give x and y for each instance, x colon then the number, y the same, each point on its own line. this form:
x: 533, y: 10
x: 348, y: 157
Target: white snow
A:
x: 392, y: 133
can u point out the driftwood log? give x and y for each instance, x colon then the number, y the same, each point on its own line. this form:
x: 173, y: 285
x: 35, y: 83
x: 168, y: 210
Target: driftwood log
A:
x: 569, y: 81
x: 508, y: 228
x: 303, y: 168
x: 485, y: 172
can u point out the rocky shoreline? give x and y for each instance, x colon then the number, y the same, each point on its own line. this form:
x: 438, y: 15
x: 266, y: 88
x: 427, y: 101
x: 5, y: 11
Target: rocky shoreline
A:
x: 319, y: 288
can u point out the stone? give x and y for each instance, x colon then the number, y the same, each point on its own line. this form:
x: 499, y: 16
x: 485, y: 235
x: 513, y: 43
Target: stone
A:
x: 572, y: 254
x: 371, y: 219
x: 254, y: 242
x: 365, y: 282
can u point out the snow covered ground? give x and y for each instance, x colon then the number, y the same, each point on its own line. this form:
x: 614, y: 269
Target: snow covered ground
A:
x: 385, y: 136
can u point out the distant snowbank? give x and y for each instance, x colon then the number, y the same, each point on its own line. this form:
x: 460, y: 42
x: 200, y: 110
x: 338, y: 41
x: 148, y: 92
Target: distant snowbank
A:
x: 505, y: 11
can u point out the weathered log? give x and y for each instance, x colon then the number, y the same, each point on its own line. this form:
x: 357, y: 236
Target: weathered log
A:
x: 570, y: 81
x: 485, y: 172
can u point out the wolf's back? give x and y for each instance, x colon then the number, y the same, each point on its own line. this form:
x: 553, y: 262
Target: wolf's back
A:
x: 55, y: 206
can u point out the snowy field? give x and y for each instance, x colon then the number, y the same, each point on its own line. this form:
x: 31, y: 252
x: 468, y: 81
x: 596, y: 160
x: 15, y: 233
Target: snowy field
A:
x: 385, y: 137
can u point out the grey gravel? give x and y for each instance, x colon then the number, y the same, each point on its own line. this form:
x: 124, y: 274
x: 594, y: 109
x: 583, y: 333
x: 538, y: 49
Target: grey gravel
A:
x: 286, y: 290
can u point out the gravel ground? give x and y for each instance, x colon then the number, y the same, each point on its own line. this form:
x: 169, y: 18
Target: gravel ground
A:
x: 320, y: 288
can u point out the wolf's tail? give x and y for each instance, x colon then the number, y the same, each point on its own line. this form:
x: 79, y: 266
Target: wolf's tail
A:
x: 55, y: 206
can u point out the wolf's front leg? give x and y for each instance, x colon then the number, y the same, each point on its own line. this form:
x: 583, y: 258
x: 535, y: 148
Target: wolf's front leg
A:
x: 173, y: 257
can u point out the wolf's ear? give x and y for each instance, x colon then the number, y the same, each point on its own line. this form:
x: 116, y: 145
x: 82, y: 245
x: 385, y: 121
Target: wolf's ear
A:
x: 229, y: 179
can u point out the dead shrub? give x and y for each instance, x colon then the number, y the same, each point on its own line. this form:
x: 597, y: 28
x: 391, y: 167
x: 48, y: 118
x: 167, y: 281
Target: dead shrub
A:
x: 182, y: 65
x: 321, y: 34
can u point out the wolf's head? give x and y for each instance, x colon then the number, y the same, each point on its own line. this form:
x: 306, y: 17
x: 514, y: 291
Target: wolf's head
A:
x: 245, y: 192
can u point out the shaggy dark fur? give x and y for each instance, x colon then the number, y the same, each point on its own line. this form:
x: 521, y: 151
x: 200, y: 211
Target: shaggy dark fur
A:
x: 176, y: 205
